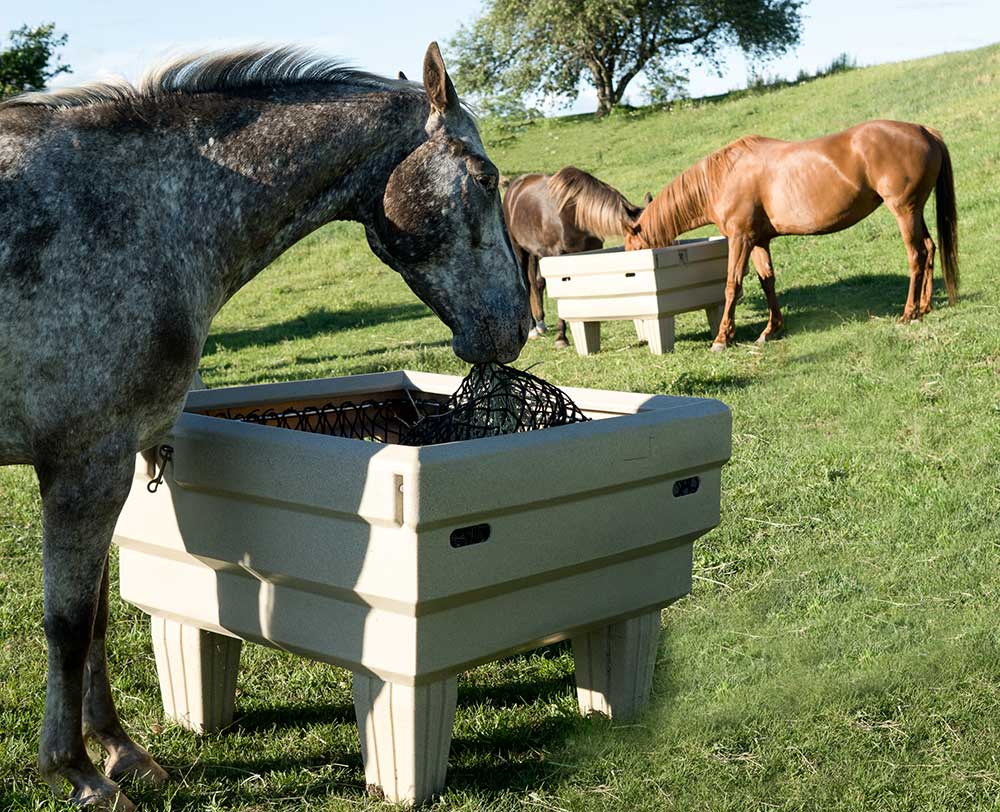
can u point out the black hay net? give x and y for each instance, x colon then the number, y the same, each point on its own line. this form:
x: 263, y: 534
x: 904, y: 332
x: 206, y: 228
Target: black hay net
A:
x: 493, y: 399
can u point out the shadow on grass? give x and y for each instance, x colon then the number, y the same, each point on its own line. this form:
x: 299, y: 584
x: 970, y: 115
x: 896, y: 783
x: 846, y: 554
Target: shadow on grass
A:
x: 506, y: 753
x: 812, y: 308
x: 693, y: 384
x: 314, y: 323
x: 260, y: 720
x: 510, y: 758
x: 355, y: 363
x: 373, y: 351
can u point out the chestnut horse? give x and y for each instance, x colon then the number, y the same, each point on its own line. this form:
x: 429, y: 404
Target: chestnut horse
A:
x: 756, y: 189
x: 564, y: 213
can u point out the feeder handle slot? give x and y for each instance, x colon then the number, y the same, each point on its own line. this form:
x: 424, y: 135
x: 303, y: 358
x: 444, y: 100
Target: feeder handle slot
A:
x: 467, y: 536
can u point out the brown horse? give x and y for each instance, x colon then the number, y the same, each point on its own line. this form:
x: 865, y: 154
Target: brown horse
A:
x: 756, y: 189
x: 564, y: 213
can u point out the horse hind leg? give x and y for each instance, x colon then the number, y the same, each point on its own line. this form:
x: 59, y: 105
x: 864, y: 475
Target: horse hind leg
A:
x: 126, y: 759
x: 912, y: 229
x: 761, y: 256
x: 82, y: 495
x: 928, y: 289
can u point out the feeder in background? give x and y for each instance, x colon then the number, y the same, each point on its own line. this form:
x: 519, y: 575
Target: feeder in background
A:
x: 649, y: 287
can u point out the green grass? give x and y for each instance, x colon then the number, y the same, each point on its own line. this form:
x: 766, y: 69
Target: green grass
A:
x: 840, y: 647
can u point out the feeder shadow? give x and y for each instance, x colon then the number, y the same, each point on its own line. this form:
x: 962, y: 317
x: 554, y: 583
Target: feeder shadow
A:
x: 511, y: 758
x: 316, y: 322
x: 242, y: 780
x: 281, y: 716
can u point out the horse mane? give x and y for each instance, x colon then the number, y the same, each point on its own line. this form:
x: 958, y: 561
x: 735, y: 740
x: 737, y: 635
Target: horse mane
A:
x: 600, y: 209
x: 243, y: 69
x: 683, y: 203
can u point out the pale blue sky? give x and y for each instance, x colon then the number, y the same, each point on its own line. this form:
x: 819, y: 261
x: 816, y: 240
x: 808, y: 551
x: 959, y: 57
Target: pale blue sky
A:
x: 123, y: 37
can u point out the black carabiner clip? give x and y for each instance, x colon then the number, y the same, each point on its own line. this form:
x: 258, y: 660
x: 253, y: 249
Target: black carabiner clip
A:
x: 166, y: 453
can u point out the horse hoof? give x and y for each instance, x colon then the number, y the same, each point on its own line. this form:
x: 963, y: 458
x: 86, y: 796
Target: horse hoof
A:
x: 117, y: 803
x: 136, y: 765
x: 562, y: 344
x: 718, y: 346
x: 764, y: 337
x: 101, y: 797
x: 532, y: 334
x: 541, y: 327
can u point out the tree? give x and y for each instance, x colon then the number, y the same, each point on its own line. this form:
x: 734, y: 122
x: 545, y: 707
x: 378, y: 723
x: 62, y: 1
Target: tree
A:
x: 24, y: 64
x: 546, y: 46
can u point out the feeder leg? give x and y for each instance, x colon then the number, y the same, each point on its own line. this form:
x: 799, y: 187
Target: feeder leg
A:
x: 660, y: 334
x: 614, y: 666
x: 197, y: 671
x: 640, y: 330
x: 405, y: 735
x: 715, y: 314
x: 586, y: 336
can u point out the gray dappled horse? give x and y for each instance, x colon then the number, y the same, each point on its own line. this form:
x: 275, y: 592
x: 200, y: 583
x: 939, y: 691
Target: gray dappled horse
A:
x: 128, y: 217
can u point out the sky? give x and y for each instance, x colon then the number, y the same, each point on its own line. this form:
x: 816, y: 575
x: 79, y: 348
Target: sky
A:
x: 123, y: 37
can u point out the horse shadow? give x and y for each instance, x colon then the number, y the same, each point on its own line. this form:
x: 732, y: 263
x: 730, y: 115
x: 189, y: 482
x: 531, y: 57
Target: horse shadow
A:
x: 314, y: 323
x: 811, y: 308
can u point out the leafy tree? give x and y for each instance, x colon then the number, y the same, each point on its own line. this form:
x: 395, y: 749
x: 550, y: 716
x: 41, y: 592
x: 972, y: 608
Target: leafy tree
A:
x: 24, y: 63
x: 547, y: 46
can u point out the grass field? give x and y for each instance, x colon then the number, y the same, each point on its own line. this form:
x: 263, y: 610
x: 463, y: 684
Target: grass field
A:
x: 840, y: 648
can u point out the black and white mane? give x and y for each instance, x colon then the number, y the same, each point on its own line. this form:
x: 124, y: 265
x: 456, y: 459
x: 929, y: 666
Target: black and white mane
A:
x: 246, y: 69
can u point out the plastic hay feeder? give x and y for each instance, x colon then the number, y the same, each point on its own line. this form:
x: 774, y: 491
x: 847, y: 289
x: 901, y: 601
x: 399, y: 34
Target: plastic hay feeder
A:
x: 408, y: 565
x: 649, y: 287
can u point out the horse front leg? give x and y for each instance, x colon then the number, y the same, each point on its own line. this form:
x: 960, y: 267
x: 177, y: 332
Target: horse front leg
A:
x: 561, y: 342
x: 535, y: 287
x: 126, y: 759
x: 739, y: 255
x: 82, y: 495
x: 761, y: 256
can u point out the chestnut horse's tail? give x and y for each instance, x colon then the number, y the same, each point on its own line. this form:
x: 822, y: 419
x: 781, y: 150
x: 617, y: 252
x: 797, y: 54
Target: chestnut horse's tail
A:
x: 947, y: 218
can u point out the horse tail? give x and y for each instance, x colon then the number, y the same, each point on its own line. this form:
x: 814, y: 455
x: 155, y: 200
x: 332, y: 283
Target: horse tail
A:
x: 600, y: 209
x: 947, y: 218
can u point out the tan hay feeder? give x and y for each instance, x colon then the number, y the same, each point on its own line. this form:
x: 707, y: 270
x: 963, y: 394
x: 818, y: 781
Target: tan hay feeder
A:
x: 408, y: 565
x: 649, y: 287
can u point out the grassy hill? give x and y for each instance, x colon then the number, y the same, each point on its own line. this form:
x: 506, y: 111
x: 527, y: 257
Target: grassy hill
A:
x: 840, y: 648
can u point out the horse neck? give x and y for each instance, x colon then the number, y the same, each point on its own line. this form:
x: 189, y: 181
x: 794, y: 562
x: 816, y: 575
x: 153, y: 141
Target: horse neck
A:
x: 255, y: 182
x: 681, y: 206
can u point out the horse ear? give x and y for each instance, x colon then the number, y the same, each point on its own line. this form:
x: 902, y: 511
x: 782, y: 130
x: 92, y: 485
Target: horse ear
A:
x: 647, y: 199
x: 437, y: 82
x: 402, y: 77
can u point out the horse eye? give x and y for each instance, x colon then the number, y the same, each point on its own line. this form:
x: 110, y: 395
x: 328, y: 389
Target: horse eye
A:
x: 487, y: 180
